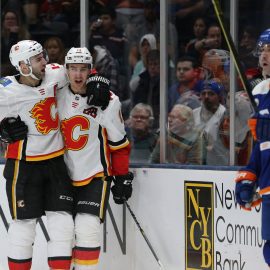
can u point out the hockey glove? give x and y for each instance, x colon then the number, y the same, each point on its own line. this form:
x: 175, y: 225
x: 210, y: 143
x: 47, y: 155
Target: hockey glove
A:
x: 122, y: 188
x: 245, y: 188
x: 244, y: 192
x: 12, y: 129
x: 98, y: 91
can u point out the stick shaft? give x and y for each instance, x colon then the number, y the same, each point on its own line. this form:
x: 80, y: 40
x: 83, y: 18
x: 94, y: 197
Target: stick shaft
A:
x: 143, y: 234
x: 234, y: 53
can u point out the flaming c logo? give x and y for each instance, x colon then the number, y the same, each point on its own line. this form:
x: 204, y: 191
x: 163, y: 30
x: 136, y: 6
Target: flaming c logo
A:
x: 68, y: 126
x: 42, y: 112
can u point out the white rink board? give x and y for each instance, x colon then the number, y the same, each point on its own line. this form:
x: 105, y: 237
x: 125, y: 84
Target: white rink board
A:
x: 158, y: 202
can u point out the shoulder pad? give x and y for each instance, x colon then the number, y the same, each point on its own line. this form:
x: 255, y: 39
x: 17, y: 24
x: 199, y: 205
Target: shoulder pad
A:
x: 113, y: 98
x: 114, y: 104
x: 5, y: 81
x: 262, y: 88
x: 55, y: 70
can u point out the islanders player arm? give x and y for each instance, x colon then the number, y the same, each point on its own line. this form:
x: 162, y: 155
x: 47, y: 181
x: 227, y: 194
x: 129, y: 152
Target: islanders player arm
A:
x: 247, y: 181
x: 120, y: 151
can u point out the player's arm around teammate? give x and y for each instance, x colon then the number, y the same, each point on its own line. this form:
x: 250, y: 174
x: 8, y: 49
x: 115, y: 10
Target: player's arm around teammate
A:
x: 37, y: 181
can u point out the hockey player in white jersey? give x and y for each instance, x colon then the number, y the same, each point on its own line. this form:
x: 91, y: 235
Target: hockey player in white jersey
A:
x: 37, y: 180
x: 97, y: 149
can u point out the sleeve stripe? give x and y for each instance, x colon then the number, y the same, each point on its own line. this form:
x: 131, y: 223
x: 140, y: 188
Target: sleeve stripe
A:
x: 125, y: 144
x: 113, y: 144
x: 102, y: 150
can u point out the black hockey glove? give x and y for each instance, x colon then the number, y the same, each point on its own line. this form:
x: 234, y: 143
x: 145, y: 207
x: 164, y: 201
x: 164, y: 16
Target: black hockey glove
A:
x: 98, y: 91
x: 12, y: 129
x: 122, y: 188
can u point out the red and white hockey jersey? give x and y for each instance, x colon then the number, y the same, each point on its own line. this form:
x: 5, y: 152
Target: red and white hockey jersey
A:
x: 37, y: 108
x: 91, y: 135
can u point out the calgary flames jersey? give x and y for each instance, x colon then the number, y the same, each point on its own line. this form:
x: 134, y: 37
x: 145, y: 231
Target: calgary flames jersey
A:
x: 90, y: 135
x: 37, y: 108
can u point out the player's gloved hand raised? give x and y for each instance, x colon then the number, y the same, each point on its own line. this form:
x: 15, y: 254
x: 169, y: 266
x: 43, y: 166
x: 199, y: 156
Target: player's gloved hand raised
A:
x: 122, y: 188
x: 13, y: 129
x: 98, y: 91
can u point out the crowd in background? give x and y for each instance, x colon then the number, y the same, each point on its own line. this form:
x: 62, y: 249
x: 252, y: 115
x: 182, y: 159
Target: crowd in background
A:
x: 124, y: 42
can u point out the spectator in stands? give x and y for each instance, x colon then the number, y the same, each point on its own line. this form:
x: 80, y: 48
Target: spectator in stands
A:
x: 64, y: 11
x: 187, y: 74
x: 199, y: 32
x: 151, y: 24
x: 12, y: 31
x: 184, y: 13
x: 54, y: 19
x: 130, y: 15
x: 104, y: 32
x: 148, y: 42
x: 247, y: 45
x: 213, y: 40
x: 243, y: 138
x: 31, y: 8
x: 208, y: 118
x: 55, y: 49
x: 94, y: 8
x: 140, y: 134
x: 51, y: 10
x: 184, y: 141
x: 147, y: 90
x: 216, y: 64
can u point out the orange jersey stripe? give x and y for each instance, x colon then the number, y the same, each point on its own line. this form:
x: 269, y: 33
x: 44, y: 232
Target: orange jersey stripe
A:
x: 87, y: 180
x: 125, y: 144
x: 264, y: 190
x: 85, y: 262
x: 107, y: 152
x: 14, y: 183
x: 245, y: 175
x: 46, y: 156
x: 104, y: 191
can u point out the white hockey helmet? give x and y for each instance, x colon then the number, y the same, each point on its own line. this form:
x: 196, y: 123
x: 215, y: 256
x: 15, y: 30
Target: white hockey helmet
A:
x: 23, y: 51
x: 79, y: 56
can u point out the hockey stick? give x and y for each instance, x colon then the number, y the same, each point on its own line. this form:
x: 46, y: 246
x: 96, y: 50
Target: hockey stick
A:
x: 144, y: 236
x: 231, y: 46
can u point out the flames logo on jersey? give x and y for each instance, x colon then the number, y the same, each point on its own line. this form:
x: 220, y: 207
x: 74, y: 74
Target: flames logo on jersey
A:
x: 42, y: 112
x: 75, y: 132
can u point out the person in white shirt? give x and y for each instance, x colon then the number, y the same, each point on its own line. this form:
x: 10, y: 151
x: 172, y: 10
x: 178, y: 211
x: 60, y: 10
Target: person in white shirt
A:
x: 208, y: 118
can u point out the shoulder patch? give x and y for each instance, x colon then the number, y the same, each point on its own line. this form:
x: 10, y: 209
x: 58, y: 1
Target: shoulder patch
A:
x: 5, y: 81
